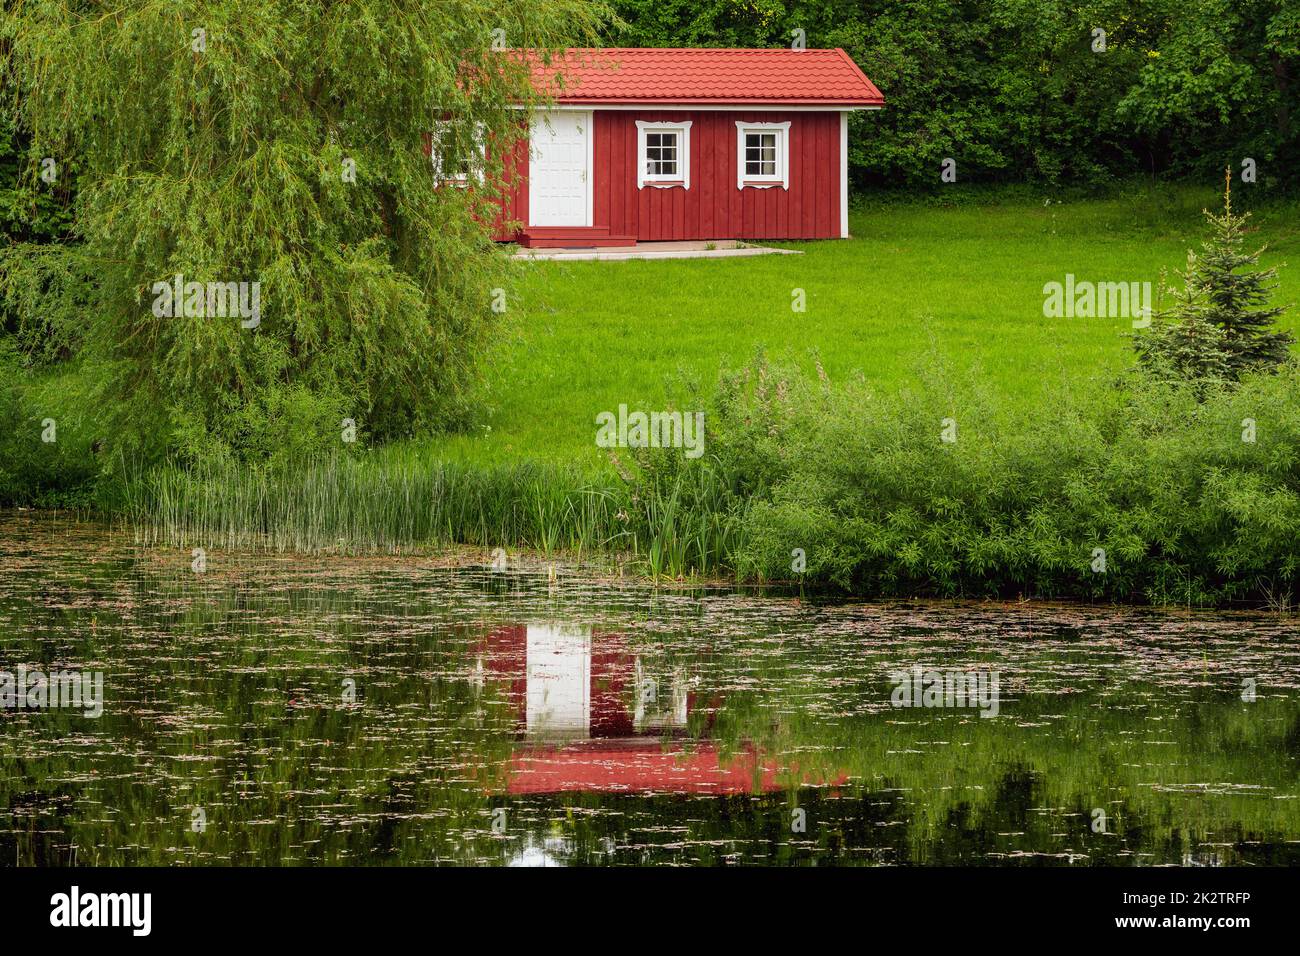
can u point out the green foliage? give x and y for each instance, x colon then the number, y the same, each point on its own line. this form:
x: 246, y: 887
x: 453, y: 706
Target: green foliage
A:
x: 31, y: 210
x: 45, y: 291
x: 36, y: 288
x: 1154, y: 491
x: 1237, y: 302
x: 48, y: 424
x: 1159, y: 476
x: 1014, y: 89
x: 1184, y: 344
x: 215, y: 141
x: 1219, y: 80
x: 852, y: 469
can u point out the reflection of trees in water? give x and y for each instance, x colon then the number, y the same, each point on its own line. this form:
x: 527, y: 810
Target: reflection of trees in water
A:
x: 671, y: 828
x: 224, y: 692
x: 30, y: 825
x: 1291, y: 742
x: 1014, y: 827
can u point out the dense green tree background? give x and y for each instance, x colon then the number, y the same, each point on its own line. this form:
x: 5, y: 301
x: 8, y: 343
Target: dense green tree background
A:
x: 1014, y: 90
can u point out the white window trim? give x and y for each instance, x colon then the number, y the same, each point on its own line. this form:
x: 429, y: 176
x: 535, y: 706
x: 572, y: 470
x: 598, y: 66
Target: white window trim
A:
x: 782, y: 177
x: 458, y: 179
x: 683, y: 177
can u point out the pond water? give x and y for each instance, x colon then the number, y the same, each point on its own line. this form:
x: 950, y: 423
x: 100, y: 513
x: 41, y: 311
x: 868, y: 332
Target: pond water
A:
x: 287, y: 710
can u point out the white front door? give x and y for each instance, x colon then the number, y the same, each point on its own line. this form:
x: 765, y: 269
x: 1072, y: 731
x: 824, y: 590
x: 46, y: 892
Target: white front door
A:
x: 559, y: 169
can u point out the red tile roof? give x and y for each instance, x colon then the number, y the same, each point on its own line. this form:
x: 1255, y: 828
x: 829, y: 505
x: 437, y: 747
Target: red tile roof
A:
x: 690, y: 76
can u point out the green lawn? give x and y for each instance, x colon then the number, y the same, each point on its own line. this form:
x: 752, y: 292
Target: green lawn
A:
x: 964, y: 281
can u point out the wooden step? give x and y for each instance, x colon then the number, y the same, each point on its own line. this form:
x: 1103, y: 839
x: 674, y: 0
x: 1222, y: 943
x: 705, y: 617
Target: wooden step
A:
x: 571, y: 237
x: 533, y: 242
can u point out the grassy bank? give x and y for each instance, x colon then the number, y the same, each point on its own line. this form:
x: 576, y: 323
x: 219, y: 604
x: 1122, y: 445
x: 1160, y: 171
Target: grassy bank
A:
x: 828, y: 467
x: 1138, y: 492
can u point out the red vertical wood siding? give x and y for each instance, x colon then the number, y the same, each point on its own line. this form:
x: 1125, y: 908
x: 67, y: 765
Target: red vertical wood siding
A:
x: 713, y: 208
x: 514, y: 193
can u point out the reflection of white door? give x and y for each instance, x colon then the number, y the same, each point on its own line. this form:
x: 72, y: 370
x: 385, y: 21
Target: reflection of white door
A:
x: 559, y: 680
x: 559, y: 169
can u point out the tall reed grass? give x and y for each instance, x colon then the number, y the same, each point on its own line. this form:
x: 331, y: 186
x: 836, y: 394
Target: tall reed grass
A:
x: 406, y: 499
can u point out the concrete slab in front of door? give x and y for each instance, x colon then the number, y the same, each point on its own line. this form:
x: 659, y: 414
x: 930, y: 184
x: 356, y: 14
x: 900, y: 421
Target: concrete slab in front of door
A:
x: 692, y: 249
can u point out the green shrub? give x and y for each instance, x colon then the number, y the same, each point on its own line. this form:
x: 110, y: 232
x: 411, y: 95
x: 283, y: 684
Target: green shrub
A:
x: 1138, y: 492
x: 48, y: 435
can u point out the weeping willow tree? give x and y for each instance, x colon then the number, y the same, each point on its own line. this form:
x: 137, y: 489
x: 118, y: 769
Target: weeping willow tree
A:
x: 267, y: 248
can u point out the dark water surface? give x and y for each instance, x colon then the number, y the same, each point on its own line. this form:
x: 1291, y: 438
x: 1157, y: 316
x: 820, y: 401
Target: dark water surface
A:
x: 284, y: 710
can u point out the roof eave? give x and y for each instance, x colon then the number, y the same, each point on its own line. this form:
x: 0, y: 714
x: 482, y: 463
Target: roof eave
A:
x: 704, y: 103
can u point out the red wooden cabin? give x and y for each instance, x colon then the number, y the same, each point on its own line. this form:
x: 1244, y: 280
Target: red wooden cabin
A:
x: 651, y: 144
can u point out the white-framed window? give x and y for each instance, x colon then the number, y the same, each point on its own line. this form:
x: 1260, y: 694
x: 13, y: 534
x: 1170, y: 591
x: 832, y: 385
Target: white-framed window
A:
x: 458, y: 153
x: 663, y: 154
x: 762, y: 155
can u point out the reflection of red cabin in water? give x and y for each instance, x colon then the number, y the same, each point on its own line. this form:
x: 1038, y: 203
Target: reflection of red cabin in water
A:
x: 569, y: 683
x: 593, y: 719
x: 640, y: 766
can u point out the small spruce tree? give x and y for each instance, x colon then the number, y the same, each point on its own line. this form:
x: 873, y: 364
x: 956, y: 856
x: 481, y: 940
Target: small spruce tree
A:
x: 1189, y: 349
x: 1220, y: 325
